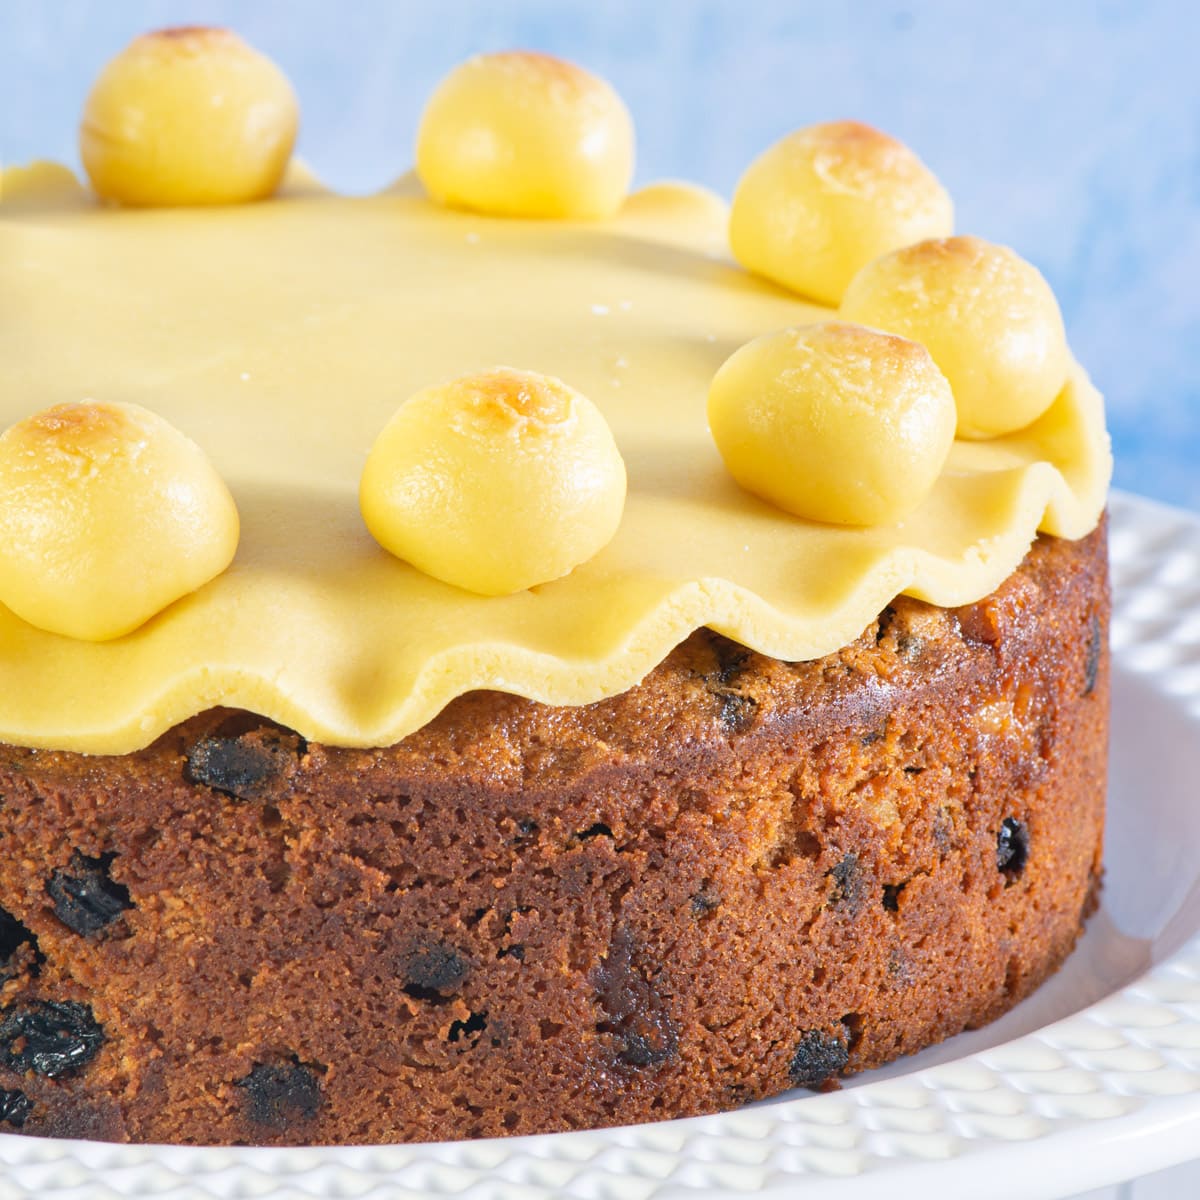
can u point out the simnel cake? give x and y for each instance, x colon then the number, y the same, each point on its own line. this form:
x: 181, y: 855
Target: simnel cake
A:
x: 514, y: 653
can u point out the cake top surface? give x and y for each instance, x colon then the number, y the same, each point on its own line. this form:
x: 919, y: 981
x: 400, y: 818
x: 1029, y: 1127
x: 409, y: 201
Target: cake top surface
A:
x: 281, y: 336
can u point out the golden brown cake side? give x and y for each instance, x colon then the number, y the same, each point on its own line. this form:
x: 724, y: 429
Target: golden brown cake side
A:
x: 739, y: 876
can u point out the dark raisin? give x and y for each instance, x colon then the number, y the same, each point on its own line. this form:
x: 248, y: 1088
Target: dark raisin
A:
x: 1091, y: 661
x: 732, y: 660
x: 872, y: 736
x: 527, y: 829
x: 471, y: 1028
x: 649, y: 1040
x: 15, y: 1108
x: 86, y: 899
x: 705, y: 901
x: 279, y: 1093
x: 433, y: 971
x: 243, y: 766
x: 909, y: 647
x: 891, y: 896
x: 633, y: 1010
x: 884, y: 623
x: 13, y: 935
x: 516, y: 951
x: 848, y: 884
x: 49, y: 1037
x: 817, y: 1059
x: 1012, y: 847
x: 593, y: 831
x: 736, y: 711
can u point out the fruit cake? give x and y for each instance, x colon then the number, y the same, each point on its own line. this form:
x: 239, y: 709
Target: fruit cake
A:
x: 711, y: 700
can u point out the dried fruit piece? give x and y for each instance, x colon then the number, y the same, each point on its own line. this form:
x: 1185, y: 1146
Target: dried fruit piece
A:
x: 13, y: 935
x: 736, y: 712
x: 633, y: 1010
x: 1012, y: 847
x: 243, y: 766
x: 848, y: 885
x: 49, y: 1037
x: 817, y: 1059
x: 86, y: 899
x: 1091, y: 661
x: 15, y: 1108
x: 433, y: 971
x: 279, y: 1093
x: 732, y: 659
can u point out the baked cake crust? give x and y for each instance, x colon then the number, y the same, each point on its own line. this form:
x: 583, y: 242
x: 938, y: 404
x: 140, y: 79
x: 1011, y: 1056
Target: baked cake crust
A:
x: 739, y: 876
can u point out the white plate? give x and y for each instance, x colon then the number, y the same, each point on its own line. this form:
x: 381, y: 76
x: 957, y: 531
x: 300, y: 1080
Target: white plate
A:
x: 1095, y: 1078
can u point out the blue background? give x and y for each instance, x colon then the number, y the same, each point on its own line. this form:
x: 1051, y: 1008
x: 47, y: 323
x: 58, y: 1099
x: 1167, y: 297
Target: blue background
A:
x: 1070, y: 131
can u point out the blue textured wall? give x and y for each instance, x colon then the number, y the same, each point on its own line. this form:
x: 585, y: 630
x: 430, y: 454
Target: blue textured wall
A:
x: 1068, y: 130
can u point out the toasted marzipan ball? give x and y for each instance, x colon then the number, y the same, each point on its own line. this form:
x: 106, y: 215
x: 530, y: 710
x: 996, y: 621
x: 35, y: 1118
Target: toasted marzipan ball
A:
x: 107, y: 514
x: 495, y: 482
x: 520, y: 134
x: 825, y: 200
x: 188, y: 116
x: 833, y: 422
x: 988, y: 318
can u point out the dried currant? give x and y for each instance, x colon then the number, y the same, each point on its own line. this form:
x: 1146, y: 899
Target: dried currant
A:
x: 736, y: 711
x: 817, y: 1059
x: 884, y: 624
x: 1012, y: 847
x: 15, y: 1108
x: 49, y: 1037
x: 633, y: 1010
x: 277, y: 1094
x: 650, y: 1039
x: 1091, y: 660
x: 433, y: 971
x: 848, y: 884
x: 732, y: 661
x: 13, y: 935
x: 526, y: 830
x: 245, y: 765
x: 86, y: 900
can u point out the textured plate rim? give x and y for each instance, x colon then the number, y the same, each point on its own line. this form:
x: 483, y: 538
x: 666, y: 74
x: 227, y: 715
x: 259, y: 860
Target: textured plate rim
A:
x: 1112, y: 1090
